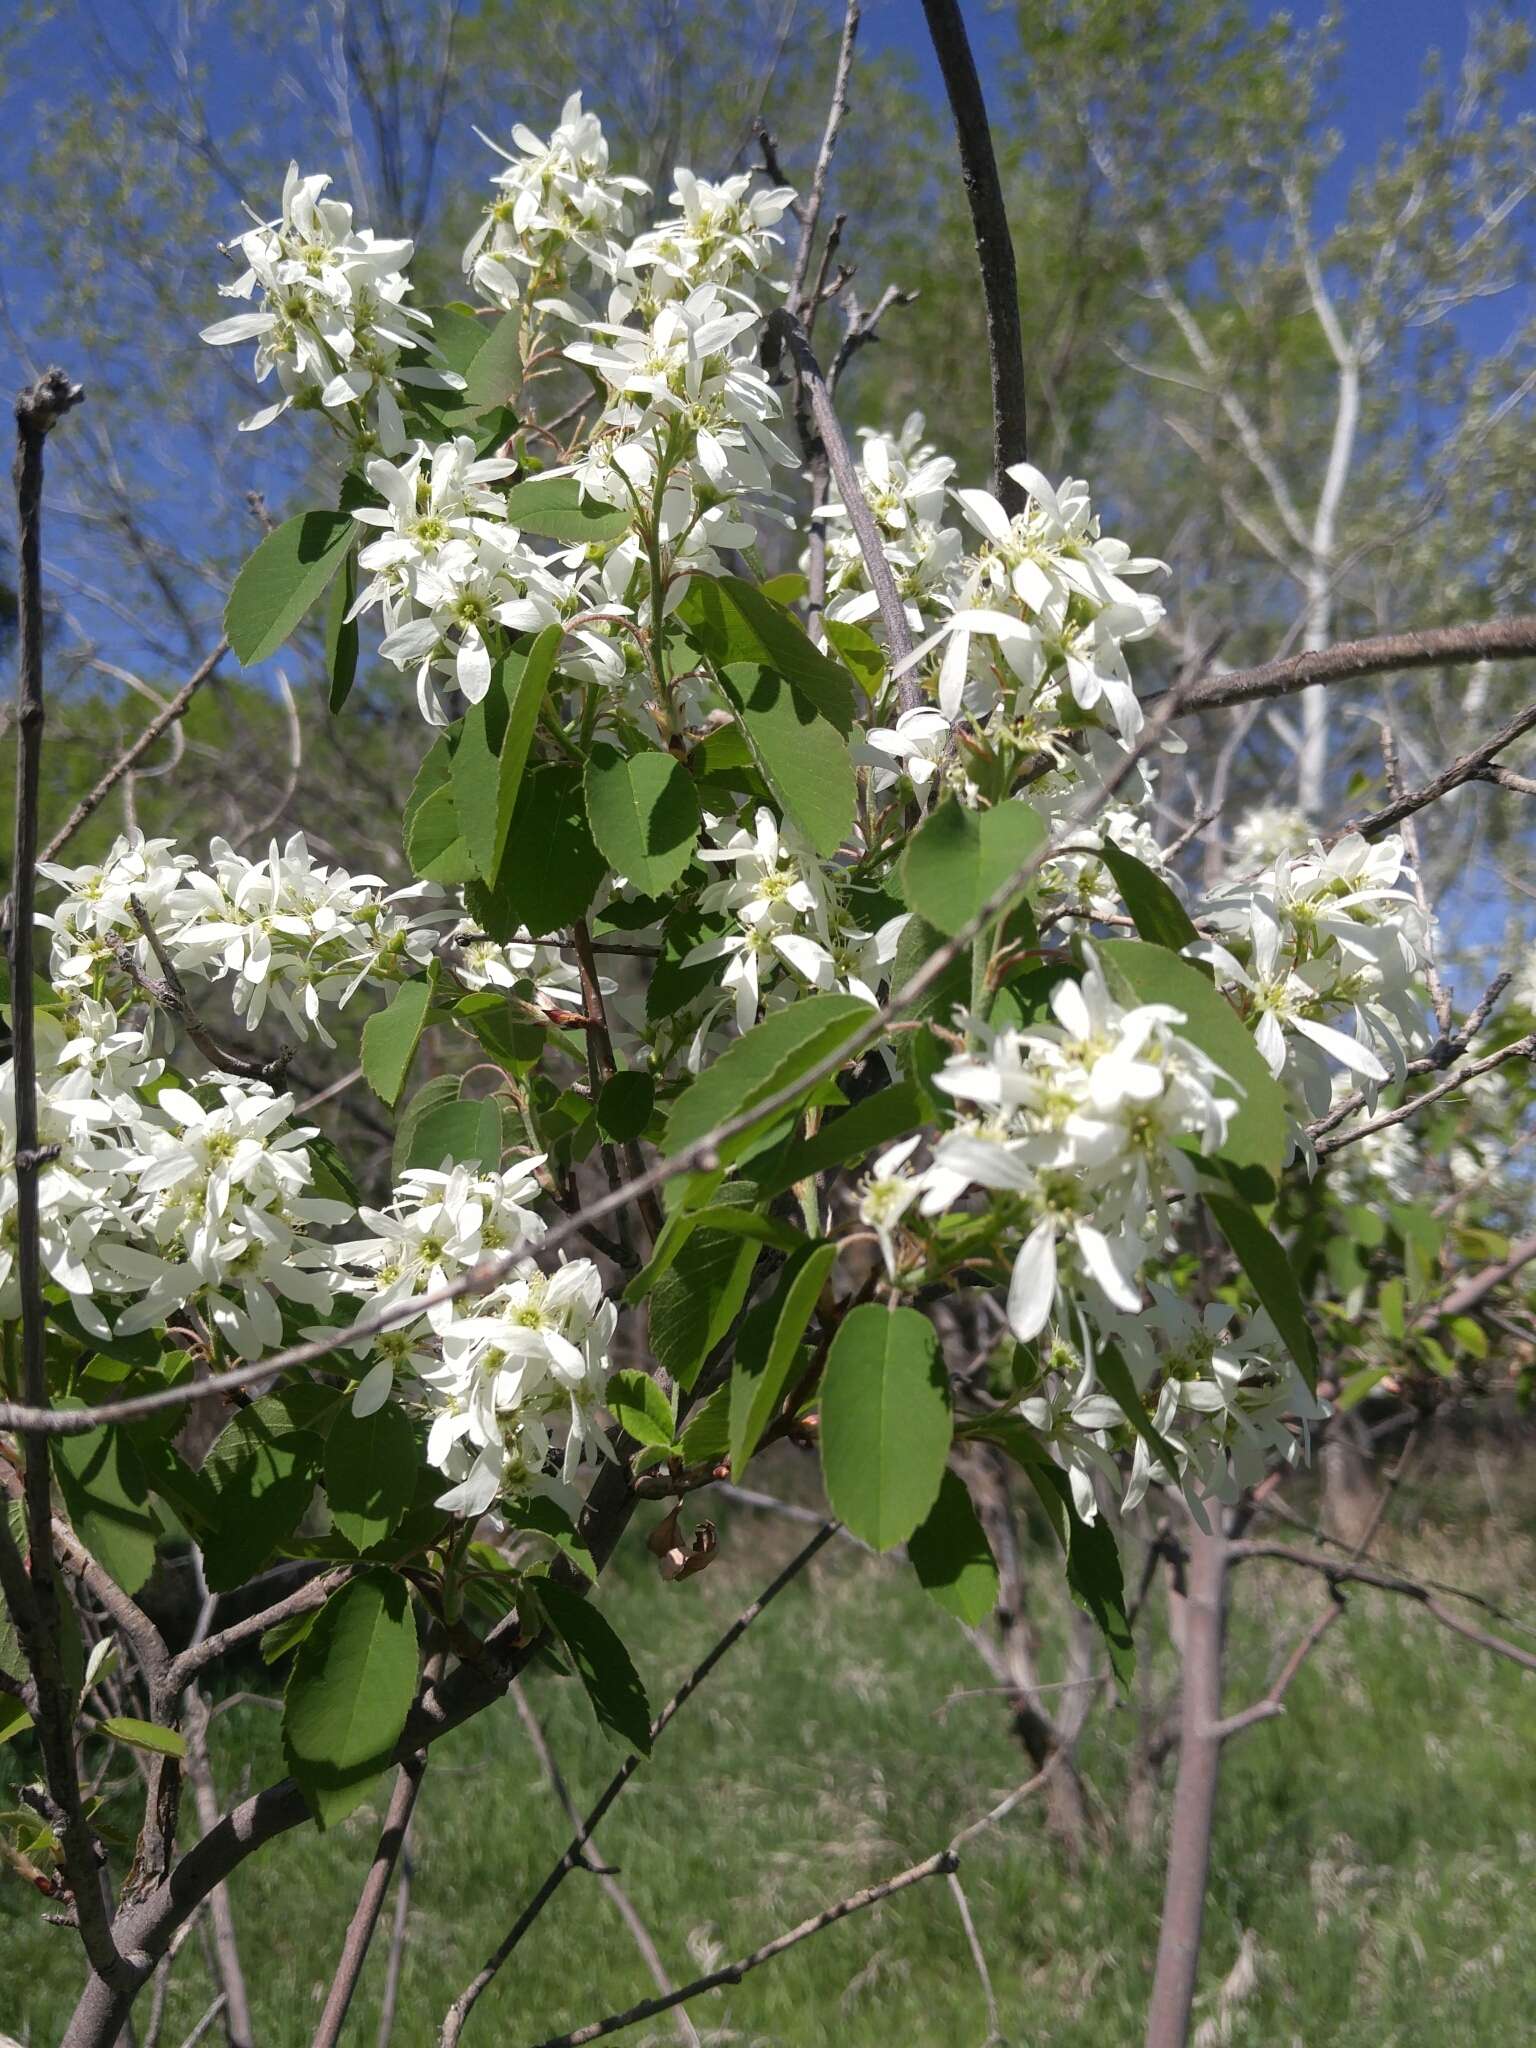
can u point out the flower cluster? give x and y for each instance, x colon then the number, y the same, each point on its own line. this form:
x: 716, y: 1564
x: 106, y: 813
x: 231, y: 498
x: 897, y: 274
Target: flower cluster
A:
x: 497, y: 1371
x: 1327, y: 933
x: 792, y: 928
x: 284, y: 932
x: 332, y: 319
x: 905, y: 483
x: 1080, y: 1125
x: 163, y: 1199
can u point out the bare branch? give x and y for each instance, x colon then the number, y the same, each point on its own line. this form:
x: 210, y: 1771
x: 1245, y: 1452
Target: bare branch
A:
x: 33, y: 1593
x: 1519, y: 1049
x: 1346, y: 660
x: 1471, y: 767
x: 458, y: 2013
x: 732, y: 1973
x: 810, y: 214
x: 133, y: 754
x: 782, y: 327
x: 365, y: 1915
x: 994, y: 247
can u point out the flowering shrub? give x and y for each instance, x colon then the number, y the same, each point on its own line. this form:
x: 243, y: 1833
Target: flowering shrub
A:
x: 836, y: 994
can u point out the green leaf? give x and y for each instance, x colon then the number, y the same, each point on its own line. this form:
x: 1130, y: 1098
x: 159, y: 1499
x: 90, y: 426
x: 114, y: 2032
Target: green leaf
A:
x: 624, y: 1107
x: 465, y: 1133
x: 767, y: 1348
x: 959, y: 858
x: 861, y: 654
x: 1389, y: 1307
x: 696, y: 1301
x: 370, y: 1472
x: 391, y: 1036
x: 14, y: 1718
x: 143, y: 1735
x: 341, y: 636
x: 877, y: 1119
x: 436, y: 767
x: 801, y: 753
x: 495, y: 370
x: 554, y: 507
x: 1115, y: 1375
x: 288, y: 574
x: 1256, y: 1138
x: 644, y: 815
x: 1094, y: 1577
x: 261, y: 1471
x: 541, y: 1516
x: 952, y: 1557
x: 492, y: 752
x: 329, y: 1172
x: 885, y: 1422
x: 350, y: 1692
x: 772, y: 1056
x: 602, y: 1664
x: 732, y: 622
x: 1158, y: 914
x: 435, y: 847
x: 431, y: 1095
x: 638, y: 1405
x: 107, y: 1495
x: 1263, y: 1259
x: 284, y: 1636
x: 708, y: 1432
x: 551, y: 868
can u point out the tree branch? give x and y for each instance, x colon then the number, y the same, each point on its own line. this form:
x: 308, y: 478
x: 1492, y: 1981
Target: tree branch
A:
x: 1496, y: 640
x: 94, y: 798
x: 458, y: 2013
x: 994, y: 247
x: 732, y: 1973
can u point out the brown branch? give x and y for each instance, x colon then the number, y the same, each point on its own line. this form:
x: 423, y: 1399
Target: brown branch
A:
x: 172, y: 996
x: 1344, y: 1572
x: 1496, y: 640
x: 125, y: 761
x: 1471, y: 767
x: 782, y: 327
x: 365, y: 1915
x: 810, y: 215
x: 593, y: 1860
x: 994, y: 247
x: 1194, y: 1802
x: 238, y: 2027
x: 197, y: 1656
x: 1273, y: 1702
x: 1518, y: 1049
x: 390, y: 1996
x: 1478, y: 1286
x: 458, y: 2013
x: 33, y: 1594
x: 732, y: 1973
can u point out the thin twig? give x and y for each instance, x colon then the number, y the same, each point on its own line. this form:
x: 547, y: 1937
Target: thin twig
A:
x: 1469, y: 768
x: 782, y: 327
x: 33, y: 1594
x: 732, y: 1973
x: 592, y: 1860
x: 458, y: 2013
x: 127, y: 760
x: 1518, y: 1049
x: 810, y: 214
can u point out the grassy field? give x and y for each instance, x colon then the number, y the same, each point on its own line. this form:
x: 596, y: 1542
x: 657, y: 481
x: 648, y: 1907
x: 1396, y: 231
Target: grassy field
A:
x: 1376, y: 1852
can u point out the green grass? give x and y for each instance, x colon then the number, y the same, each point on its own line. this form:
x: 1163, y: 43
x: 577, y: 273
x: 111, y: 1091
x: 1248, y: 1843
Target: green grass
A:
x: 1377, y: 1843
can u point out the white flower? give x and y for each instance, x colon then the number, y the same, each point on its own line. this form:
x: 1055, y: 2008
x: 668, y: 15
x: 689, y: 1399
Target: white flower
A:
x: 886, y: 1194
